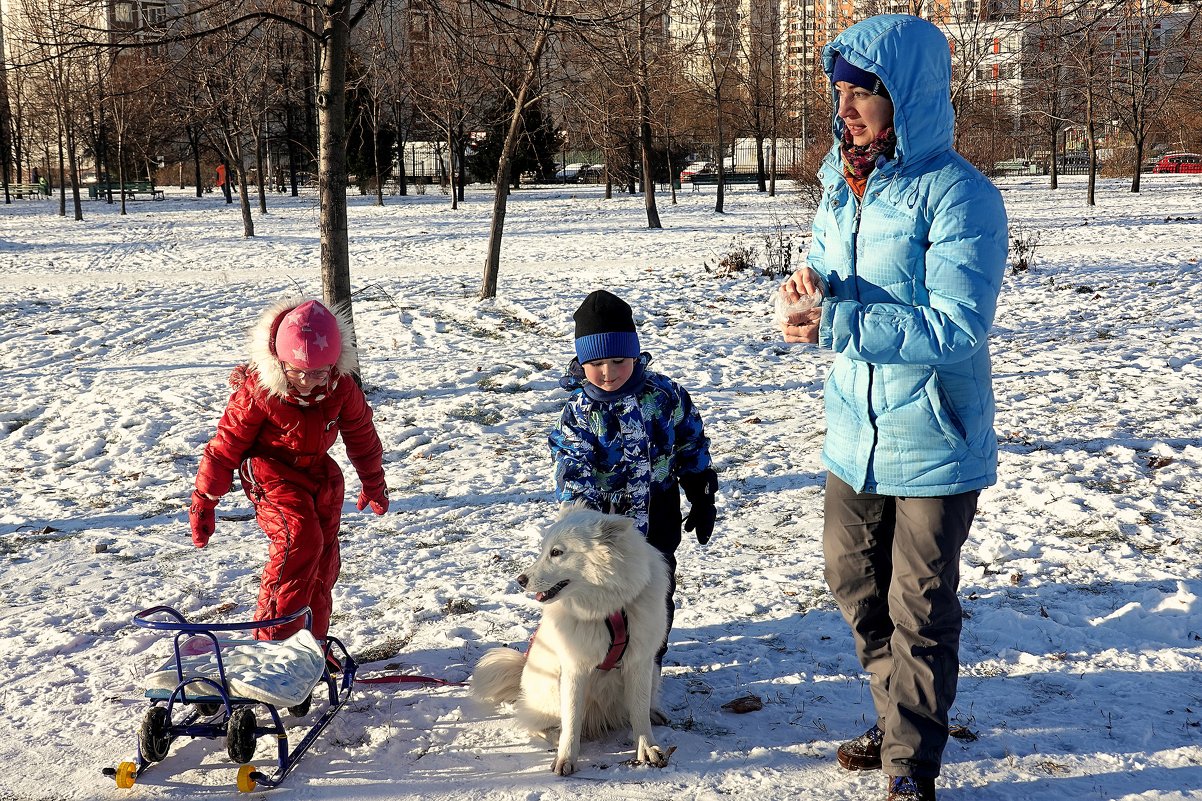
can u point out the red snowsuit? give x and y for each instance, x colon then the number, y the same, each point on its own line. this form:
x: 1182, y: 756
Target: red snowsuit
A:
x: 279, y: 447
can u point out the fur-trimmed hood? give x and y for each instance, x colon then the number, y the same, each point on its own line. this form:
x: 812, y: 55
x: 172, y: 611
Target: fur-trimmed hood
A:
x: 266, y: 364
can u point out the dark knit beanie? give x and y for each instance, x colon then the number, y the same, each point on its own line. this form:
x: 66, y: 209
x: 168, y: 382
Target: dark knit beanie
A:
x: 846, y: 71
x: 605, y: 328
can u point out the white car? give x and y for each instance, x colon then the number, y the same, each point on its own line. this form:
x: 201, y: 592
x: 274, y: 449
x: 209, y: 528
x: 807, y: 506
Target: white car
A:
x: 570, y: 173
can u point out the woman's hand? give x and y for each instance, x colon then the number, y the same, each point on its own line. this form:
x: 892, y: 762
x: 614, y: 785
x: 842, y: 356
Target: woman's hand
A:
x: 801, y: 299
x: 802, y: 282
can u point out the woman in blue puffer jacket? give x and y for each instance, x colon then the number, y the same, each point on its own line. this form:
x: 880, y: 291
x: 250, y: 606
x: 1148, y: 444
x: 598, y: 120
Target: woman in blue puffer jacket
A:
x: 908, y: 254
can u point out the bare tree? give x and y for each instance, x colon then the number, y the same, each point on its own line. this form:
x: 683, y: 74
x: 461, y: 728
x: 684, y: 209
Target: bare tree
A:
x: 530, y: 55
x: 1151, y: 52
x: 61, y: 74
x: 1047, y: 100
x: 760, y: 49
x: 1088, y: 80
x: 379, y: 48
x: 713, y: 52
x: 446, y: 79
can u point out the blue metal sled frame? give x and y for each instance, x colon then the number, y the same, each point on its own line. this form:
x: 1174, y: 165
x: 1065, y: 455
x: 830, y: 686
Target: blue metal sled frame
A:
x: 212, y: 705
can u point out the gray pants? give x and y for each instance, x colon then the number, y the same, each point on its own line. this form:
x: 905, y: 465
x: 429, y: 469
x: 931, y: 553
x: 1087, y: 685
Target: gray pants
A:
x: 893, y: 565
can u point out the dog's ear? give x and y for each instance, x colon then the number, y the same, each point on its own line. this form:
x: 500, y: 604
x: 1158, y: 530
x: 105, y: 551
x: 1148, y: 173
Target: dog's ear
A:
x: 566, y: 508
x: 611, y: 528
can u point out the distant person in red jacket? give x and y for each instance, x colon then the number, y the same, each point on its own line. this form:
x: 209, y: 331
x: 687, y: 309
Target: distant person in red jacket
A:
x: 287, y: 408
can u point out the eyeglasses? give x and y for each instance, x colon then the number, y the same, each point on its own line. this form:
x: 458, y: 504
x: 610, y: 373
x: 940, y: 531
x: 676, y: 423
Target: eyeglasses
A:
x: 320, y: 374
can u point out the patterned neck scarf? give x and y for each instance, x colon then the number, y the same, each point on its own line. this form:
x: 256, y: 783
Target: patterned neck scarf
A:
x: 633, y: 386
x: 860, y: 160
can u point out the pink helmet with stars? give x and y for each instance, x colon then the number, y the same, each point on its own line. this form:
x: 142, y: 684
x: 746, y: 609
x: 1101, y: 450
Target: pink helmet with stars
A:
x: 307, y: 337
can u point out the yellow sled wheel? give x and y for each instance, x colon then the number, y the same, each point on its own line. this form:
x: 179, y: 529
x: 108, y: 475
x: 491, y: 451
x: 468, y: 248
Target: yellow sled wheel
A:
x: 245, y: 782
x: 127, y: 773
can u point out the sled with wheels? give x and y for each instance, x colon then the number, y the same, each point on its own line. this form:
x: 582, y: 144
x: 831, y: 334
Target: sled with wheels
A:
x: 218, y: 686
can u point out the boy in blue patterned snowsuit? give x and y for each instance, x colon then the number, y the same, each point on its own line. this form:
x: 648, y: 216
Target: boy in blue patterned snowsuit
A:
x: 630, y: 439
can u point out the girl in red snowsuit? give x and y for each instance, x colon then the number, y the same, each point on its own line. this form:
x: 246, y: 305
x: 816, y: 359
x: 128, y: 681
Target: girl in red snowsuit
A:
x: 287, y: 408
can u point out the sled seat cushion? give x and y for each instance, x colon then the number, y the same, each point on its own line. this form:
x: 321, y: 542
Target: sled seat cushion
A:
x: 278, y: 673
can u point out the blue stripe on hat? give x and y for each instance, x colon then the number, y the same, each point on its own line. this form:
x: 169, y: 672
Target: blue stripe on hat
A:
x: 608, y: 345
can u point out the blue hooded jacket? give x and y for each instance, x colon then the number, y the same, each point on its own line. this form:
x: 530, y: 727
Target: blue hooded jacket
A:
x: 913, y: 273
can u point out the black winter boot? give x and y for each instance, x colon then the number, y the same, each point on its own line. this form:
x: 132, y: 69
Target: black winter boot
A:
x: 911, y: 788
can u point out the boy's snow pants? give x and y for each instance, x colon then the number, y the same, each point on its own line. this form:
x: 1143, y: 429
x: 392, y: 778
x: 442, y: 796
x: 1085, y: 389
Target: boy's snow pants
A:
x: 299, y: 509
x: 893, y: 565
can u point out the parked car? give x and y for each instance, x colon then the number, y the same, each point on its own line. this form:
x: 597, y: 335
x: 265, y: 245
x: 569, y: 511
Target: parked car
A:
x: 698, y: 168
x: 1016, y: 167
x: 569, y: 173
x: 591, y: 174
x: 1179, y: 162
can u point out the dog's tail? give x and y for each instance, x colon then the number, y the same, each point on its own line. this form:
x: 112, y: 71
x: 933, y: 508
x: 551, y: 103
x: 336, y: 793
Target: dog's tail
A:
x: 498, y: 676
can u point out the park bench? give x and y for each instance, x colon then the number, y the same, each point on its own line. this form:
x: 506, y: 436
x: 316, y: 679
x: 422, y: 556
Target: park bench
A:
x: 728, y: 179
x: 30, y: 191
x: 131, y: 190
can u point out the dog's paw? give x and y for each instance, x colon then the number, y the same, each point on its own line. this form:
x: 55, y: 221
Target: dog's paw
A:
x: 651, y: 754
x: 563, y: 766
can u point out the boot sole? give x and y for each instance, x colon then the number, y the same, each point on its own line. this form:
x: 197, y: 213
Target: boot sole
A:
x: 856, y: 762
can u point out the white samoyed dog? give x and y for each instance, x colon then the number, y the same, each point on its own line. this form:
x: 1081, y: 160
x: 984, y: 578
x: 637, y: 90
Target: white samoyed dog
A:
x: 592, y: 565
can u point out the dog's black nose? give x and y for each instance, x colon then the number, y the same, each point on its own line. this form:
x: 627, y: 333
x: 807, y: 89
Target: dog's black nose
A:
x: 522, y: 581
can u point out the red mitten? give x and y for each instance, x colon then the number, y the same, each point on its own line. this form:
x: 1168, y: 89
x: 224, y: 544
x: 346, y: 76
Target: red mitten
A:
x: 375, y: 495
x: 202, y: 517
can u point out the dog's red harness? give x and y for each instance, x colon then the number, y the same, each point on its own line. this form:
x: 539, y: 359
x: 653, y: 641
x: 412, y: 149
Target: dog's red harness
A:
x: 616, y: 623
x: 618, y: 640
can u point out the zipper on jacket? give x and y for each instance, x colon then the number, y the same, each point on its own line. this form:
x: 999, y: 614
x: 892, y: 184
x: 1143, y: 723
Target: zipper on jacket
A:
x: 855, y: 270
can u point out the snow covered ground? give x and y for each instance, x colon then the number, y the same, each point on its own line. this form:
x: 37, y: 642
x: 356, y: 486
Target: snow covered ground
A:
x: 1083, y: 638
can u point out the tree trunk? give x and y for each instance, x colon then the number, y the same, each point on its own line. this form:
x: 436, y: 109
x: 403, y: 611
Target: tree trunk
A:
x: 259, y: 176
x: 1091, y: 146
x: 73, y: 167
x: 62, y: 175
x: 121, y: 171
x: 648, y: 177
x: 644, y: 111
x: 194, y: 142
x: 226, y: 192
x: 720, y: 197
x: 1139, y: 160
x: 248, y: 222
x: 375, y: 160
x: 759, y: 161
x: 492, y: 261
x: 331, y: 157
x: 1053, y: 172
x: 233, y: 147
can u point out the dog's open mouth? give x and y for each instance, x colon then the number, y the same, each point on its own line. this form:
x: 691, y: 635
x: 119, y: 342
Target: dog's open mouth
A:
x: 546, y: 595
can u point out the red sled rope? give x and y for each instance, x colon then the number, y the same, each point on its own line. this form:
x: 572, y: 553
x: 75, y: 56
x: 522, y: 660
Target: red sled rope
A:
x: 396, y: 678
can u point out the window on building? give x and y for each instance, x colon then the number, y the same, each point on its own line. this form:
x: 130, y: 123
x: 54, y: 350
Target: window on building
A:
x: 419, y: 26
x: 153, y: 16
x: 123, y: 12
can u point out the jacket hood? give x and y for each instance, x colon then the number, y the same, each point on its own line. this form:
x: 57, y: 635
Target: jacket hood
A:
x: 913, y: 59
x: 573, y: 377
x: 266, y: 364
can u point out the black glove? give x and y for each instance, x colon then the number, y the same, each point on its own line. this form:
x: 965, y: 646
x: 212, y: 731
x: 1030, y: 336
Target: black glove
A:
x: 699, y: 488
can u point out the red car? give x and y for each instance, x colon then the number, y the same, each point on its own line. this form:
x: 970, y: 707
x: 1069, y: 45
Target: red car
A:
x: 1179, y: 162
x: 698, y: 168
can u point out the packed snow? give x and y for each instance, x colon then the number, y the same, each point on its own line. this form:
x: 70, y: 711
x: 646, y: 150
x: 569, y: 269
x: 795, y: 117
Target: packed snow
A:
x: 1082, y: 646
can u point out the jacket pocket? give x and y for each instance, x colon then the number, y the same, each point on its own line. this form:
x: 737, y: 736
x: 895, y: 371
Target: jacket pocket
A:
x: 945, y: 414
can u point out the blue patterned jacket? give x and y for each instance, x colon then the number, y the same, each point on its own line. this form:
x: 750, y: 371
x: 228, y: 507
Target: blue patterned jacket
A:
x: 615, y: 455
